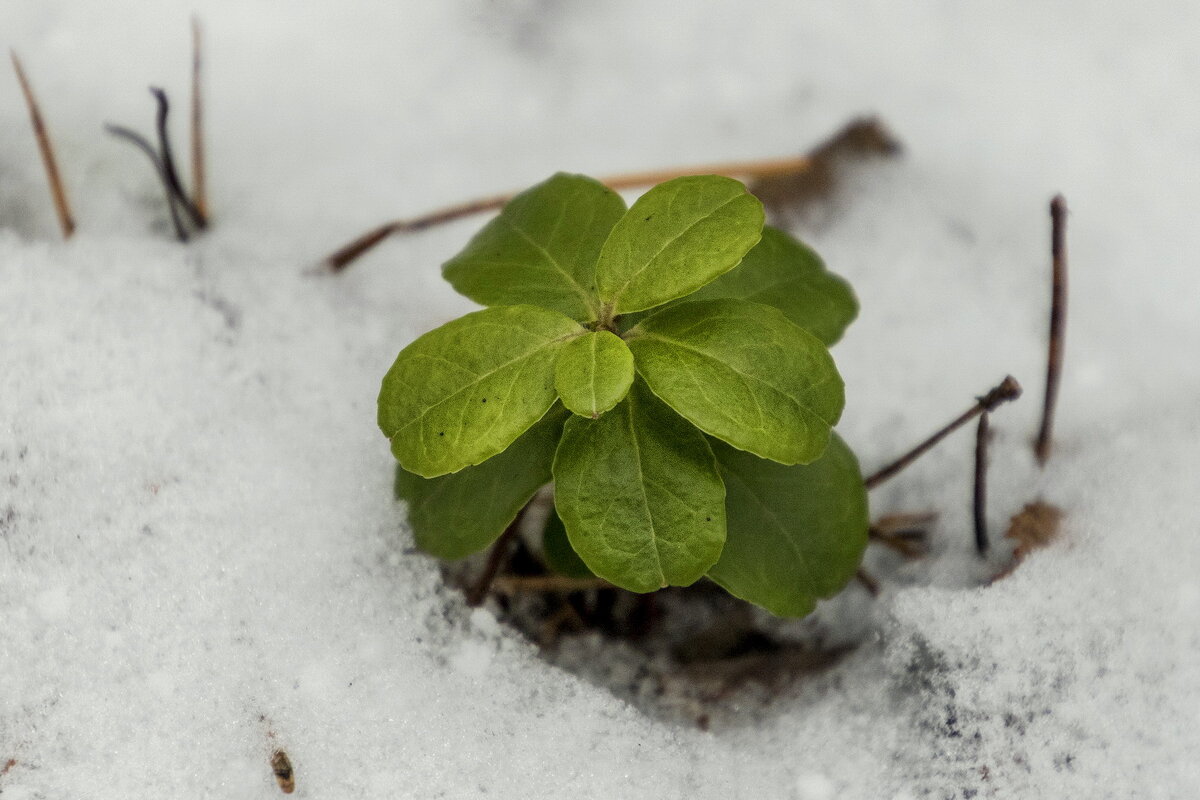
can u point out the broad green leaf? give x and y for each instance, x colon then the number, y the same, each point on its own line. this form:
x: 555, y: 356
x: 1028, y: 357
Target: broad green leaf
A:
x: 639, y: 494
x: 594, y: 373
x: 541, y: 249
x: 558, y: 553
x: 463, y: 392
x: 677, y: 237
x: 782, y: 272
x: 455, y: 515
x: 796, y: 533
x: 744, y: 373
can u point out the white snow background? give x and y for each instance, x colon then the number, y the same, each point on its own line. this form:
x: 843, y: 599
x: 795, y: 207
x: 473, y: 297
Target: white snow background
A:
x: 200, y: 556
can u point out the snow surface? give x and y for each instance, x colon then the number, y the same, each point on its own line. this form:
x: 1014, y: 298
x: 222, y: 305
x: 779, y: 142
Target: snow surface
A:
x: 200, y: 558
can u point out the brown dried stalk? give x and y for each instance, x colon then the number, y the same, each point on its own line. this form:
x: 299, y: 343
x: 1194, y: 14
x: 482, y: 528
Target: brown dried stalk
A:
x: 1058, y: 323
x: 1007, y: 390
x: 199, y: 182
x: 979, y: 496
x: 61, y: 206
x: 483, y: 584
x: 545, y: 584
x: 855, y: 136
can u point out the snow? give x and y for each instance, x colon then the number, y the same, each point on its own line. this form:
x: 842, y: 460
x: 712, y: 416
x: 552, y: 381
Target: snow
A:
x: 201, y: 561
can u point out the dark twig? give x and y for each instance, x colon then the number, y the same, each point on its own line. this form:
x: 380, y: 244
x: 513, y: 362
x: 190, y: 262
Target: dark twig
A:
x: 341, y: 258
x: 1058, y: 321
x: 142, y: 144
x: 979, y: 497
x: 62, y: 207
x: 164, y: 165
x: 199, y: 175
x: 763, y: 169
x: 168, y: 160
x: 869, y: 582
x: 483, y: 584
x: 1007, y: 390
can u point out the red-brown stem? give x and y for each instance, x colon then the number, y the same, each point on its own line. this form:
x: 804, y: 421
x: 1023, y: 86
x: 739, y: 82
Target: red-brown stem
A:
x: 766, y: 168
x: 979, y: 496
x: 199, y: 175
x: 869, y: 582
x: 342, y: 257
x: 1058, y: 322
x: 1008, y: 389
x: 483, y: 584
x: 62, y: 207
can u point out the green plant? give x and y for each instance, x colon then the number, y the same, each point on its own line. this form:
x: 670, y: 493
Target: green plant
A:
x: 666, y: 366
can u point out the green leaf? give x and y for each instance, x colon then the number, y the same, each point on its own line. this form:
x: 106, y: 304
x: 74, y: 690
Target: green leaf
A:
x: 796, y: 533
x: 463, y: 392
x: 455, y: 515
x: 541, y: 249
x: 594, y: 373
x: 744, y: 373
x: 784, y: 273
x: 677, y: 237
x: 558, y: 553
x: 639, y: 494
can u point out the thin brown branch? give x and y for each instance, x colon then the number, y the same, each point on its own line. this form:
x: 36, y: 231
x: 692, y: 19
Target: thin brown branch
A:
x: 907, y: 534
x: 1058, y: 322
x: 869, y: 582
x: 979, y: 496
x: 342, y: 257
x: 199, y: 175
x: 483, y: 584
x: 789, y: 196
x: 1008, y: 389
x: 754, y: 170
x: 545, y: 584
x: 62, y: 207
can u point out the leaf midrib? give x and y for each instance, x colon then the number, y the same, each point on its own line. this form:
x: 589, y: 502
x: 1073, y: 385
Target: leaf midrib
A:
x: 616, y: 297
x: 589, y: 302
x: 479, y: 378
x: 637, y: 455
x: 745, y: 375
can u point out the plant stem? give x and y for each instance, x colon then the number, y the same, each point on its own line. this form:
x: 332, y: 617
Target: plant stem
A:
x: 199, y: 180
x: 1058, y: 321
x: 979, y: 496
x: 170, y: 174
x: 344, y: 255
x: 869, y: 582
x: 164, y: 165
x: 519, y: 584
x: 140, y: 142
x: 759, y: 169
x: 1008, y: 389
x: 483, y: 584
x: 62, y: 207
